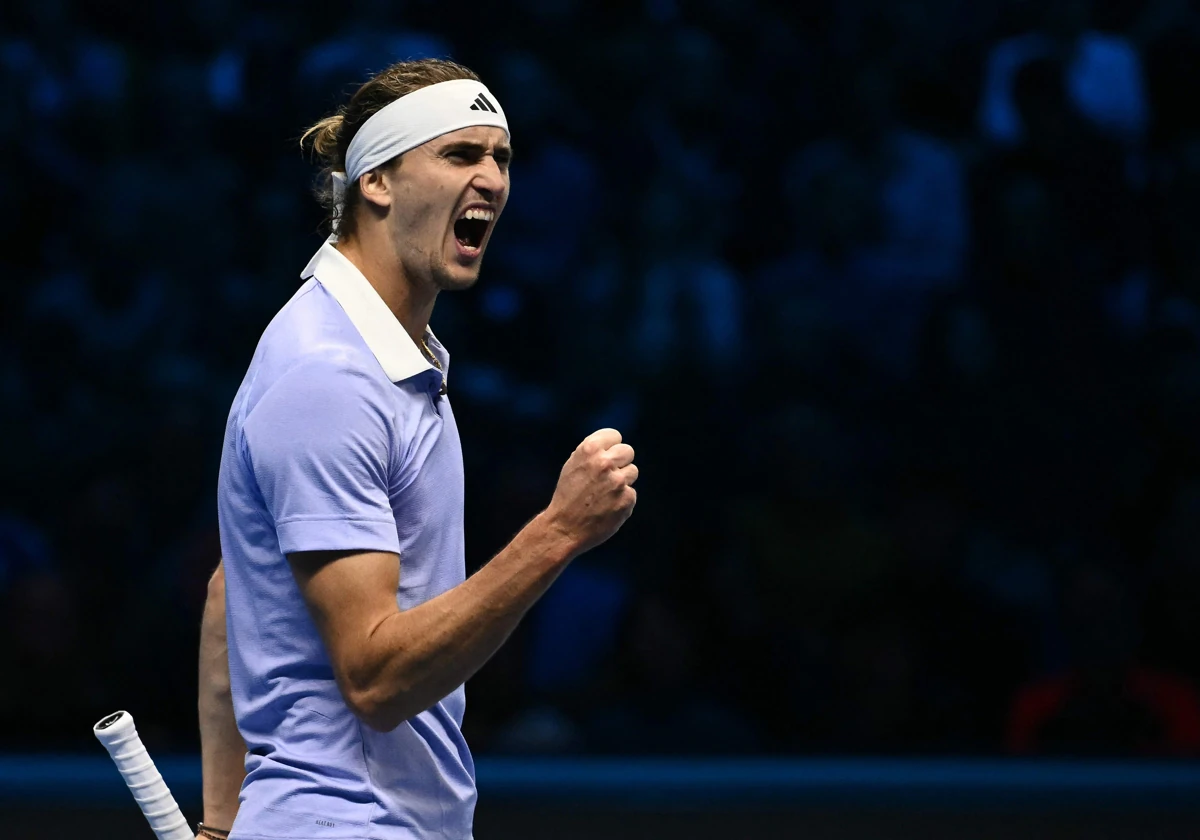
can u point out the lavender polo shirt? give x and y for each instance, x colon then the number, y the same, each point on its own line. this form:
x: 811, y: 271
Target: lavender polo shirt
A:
x: 338, y: 440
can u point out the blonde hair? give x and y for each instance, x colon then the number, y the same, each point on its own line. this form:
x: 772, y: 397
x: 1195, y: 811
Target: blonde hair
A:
x: 329, y: 138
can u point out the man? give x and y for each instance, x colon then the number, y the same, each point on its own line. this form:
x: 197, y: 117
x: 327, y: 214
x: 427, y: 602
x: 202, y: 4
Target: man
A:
x: 351, y: 629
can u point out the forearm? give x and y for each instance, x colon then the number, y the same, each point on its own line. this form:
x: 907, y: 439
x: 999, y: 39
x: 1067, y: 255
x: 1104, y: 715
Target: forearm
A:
x: 222, y: 751
x: 416, y: 657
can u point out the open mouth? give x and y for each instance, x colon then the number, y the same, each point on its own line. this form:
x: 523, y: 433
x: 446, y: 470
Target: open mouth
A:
x: 472, y: 226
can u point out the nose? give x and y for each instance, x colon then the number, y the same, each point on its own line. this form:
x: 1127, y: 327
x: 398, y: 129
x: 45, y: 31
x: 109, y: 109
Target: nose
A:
x: 490, y: 180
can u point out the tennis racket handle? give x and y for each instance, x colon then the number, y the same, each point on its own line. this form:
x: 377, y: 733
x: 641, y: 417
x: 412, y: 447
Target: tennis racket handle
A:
x: 120, y: 737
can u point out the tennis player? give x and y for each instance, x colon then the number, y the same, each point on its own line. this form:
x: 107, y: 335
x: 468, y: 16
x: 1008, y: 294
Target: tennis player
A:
x: 351, y: 626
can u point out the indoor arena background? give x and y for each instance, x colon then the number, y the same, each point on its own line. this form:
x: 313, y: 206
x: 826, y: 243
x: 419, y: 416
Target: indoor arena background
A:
x: 899, y: 303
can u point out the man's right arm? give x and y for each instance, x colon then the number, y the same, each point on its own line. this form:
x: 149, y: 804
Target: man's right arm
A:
x: 392, y: 665
x: 222, y: 751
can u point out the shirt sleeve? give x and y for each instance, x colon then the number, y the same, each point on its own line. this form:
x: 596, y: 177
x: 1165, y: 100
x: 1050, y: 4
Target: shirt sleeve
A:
x: 318, y: 443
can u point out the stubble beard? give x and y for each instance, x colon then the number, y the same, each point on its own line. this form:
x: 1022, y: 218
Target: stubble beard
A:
x: 445, y: 280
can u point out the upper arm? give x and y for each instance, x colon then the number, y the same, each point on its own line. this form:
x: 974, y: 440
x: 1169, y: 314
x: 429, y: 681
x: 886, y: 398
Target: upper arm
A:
x: 349, y: 594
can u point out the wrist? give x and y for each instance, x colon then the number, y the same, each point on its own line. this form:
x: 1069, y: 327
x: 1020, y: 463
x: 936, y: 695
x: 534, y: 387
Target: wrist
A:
x: 219, y: 818
x: 555, y: 542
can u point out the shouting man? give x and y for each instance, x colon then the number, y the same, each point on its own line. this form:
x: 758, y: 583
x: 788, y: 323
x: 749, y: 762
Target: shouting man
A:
x: 351, y: 624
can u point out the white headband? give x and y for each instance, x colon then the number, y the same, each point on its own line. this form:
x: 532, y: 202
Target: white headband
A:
x: 415, y: 119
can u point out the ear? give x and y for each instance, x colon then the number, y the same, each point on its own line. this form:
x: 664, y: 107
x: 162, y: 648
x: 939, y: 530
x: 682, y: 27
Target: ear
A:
x: 374, y: 187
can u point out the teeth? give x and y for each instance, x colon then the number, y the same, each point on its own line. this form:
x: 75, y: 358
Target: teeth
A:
x: 479, y: 213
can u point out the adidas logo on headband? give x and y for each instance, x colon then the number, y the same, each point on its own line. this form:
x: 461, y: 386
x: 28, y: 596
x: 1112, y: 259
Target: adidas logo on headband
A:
x: 482, y: 104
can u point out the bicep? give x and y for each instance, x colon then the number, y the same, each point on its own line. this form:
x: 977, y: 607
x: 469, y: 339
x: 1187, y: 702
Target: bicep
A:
x: 348, y: 594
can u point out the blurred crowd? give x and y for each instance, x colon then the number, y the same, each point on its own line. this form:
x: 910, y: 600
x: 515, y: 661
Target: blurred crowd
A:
x: 898, y: 301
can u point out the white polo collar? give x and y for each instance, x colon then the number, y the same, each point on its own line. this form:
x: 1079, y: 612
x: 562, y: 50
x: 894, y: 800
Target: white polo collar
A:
x: 393, y: 347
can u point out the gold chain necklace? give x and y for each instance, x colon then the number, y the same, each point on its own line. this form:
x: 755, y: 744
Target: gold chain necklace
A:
x: 434, y: 360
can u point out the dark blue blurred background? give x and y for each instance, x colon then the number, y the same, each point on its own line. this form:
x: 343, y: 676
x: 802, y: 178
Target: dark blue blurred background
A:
x: 898, y: 301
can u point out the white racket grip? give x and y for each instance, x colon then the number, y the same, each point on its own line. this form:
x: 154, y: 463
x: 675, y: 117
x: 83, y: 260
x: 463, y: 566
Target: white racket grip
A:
x: 119, y: 736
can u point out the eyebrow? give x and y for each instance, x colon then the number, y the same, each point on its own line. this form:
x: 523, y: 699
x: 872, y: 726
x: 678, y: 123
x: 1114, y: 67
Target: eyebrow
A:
x: 477, y: 148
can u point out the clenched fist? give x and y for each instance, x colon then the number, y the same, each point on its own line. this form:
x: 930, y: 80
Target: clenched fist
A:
x: 595, y: 492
